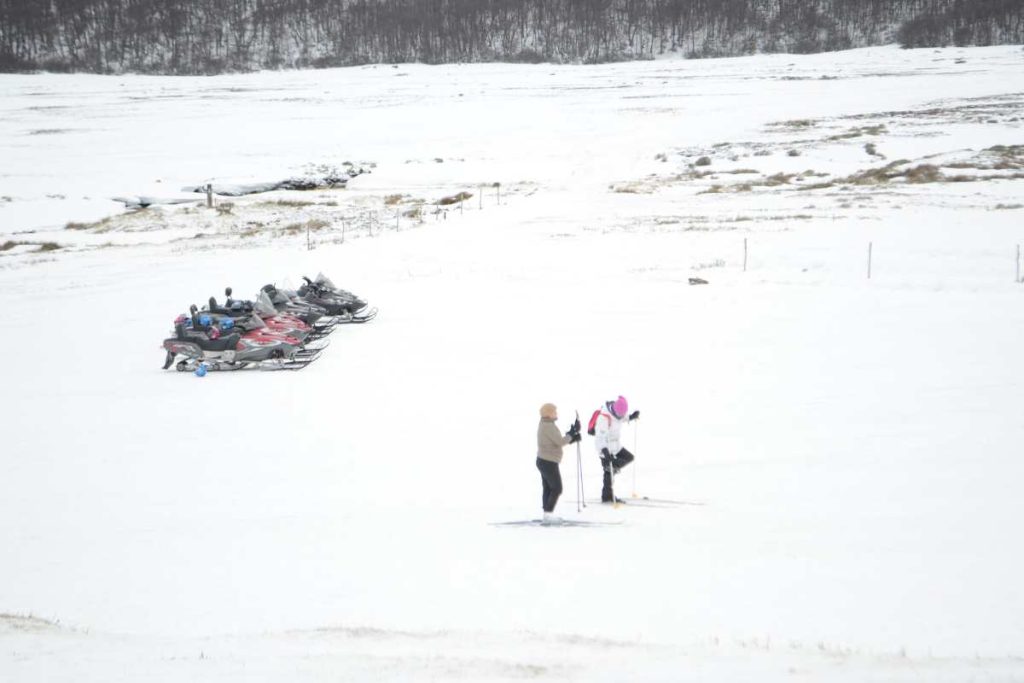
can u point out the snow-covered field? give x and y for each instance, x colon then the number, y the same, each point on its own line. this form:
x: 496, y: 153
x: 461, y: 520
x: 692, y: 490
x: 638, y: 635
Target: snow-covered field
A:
x: 852, y: 444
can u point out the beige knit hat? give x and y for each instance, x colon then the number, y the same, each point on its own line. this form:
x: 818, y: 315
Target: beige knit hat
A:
x: 548, y: 410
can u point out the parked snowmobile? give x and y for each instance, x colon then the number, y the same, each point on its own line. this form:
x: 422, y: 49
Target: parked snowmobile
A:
x: 339, y: 302
x: 250, y: 317
x: 284, y: 301
x: 326, y: 283
x: 198, y: 340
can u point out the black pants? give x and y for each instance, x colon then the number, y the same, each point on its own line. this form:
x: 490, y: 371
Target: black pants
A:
x: 618, y: 461
x: 551, y: 479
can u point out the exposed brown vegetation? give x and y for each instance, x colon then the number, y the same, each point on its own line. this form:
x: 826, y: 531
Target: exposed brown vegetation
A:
x: 454, y: 199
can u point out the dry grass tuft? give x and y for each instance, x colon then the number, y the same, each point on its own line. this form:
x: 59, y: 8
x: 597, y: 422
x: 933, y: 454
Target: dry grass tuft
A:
x: 796, y: 124
x: 41, y: 246
x: 454, y: 199
x: 288, y: 203
x: 312, y: 225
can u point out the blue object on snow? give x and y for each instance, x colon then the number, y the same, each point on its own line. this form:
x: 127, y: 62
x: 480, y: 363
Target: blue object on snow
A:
x: 201, y: 370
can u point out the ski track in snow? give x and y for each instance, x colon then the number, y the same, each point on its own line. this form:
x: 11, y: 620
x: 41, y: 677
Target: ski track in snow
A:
x: 854, y: 443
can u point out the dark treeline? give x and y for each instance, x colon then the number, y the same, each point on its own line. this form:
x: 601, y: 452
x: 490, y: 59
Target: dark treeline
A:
x: 211, y: 36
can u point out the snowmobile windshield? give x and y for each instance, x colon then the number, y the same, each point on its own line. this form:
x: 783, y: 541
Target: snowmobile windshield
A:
x: 257, y: 322
x: 264, y: 306
x: 324, y: 281
x: 279, y: 297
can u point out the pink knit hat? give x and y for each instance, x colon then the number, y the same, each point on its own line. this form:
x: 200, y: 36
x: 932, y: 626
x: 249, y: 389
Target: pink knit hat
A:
x: 620, y: 407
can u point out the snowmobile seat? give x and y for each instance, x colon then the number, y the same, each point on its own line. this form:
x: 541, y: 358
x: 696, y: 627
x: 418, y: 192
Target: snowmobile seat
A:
x: 225, y: 343
x: 203, y: 341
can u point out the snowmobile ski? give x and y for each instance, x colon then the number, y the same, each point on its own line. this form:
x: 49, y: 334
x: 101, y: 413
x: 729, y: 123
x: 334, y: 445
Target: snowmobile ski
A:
x: 355, y: 318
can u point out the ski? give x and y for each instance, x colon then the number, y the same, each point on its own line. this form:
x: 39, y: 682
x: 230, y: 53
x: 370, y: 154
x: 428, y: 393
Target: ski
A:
x: 646, y: 502
x: 559, y: 523
x: 665, y: 501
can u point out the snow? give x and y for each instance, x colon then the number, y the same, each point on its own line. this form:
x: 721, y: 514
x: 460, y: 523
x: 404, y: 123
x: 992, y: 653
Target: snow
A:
x: 854, y: 442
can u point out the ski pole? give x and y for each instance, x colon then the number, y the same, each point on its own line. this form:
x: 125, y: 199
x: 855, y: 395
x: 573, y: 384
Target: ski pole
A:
x: 577, y: 479
x: 579, y: 468
x: 580, y: 499
x: 577, y: 473
x: 636, y: 431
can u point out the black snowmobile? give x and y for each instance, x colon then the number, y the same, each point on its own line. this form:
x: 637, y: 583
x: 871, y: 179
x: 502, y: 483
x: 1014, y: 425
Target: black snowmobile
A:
x: 286, y: 303
x: 338, y: 302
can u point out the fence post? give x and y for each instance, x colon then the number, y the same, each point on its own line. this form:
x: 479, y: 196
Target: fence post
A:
x: 869, y: 260
x: 209, y: 195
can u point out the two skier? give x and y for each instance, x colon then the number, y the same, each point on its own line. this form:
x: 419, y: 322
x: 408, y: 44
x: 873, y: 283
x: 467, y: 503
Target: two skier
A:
x: 606, y: 427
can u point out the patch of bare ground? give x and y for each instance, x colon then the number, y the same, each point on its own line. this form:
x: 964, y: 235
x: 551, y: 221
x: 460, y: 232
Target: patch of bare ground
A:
x: 795, y: 124
x: 454, y: 199
x: 857, y: 132
x: 997, y: 109
x: 287, y: 203
x: 998, y: 159
x: 774, y: 180
x: 39, y: 246
x: 313, y: 225
x: 140, y: 220
x: 26, y: 624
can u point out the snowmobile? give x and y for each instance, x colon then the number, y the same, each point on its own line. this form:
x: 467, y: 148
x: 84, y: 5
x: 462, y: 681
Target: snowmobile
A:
x: 198, y: 340
x: 316, y: 321
x: 255, y: 329
x: 285, y: 303
x: 339, y: 302
x: 255, y: 317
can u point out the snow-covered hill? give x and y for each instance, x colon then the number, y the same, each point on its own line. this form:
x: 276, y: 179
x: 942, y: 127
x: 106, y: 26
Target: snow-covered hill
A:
x: 852, y: 442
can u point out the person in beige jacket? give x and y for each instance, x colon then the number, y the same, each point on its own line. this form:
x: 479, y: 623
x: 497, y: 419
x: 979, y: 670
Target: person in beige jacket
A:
x: 549, y: 454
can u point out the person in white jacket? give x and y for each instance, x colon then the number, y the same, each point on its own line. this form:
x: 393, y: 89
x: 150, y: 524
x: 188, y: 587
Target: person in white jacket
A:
x: 607, y: 440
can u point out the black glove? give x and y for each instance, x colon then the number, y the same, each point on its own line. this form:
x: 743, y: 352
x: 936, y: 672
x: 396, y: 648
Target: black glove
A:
x: 574, y: 437
x: 635, y: 415
x: 572, y: 434
x: 576, y: 426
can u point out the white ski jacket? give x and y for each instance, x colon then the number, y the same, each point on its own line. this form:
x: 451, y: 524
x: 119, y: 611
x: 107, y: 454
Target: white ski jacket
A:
x: 608, y: 431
